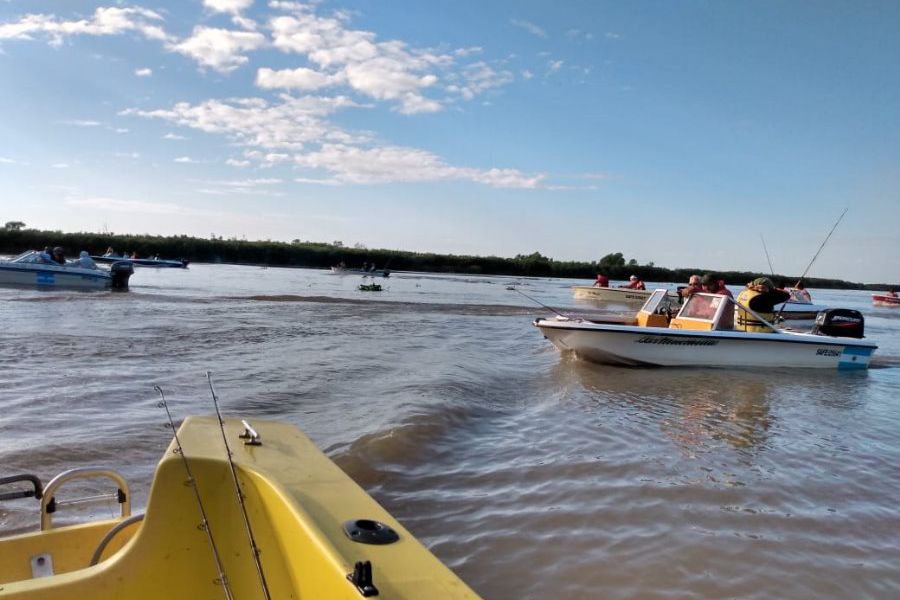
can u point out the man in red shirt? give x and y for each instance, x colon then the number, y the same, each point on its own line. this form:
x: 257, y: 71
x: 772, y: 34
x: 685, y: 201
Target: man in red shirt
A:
x: 634, y: 283
x: 602, y: 280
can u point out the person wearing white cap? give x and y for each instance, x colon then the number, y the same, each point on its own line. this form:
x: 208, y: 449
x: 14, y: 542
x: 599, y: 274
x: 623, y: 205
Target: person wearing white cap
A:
x: 634, y: 283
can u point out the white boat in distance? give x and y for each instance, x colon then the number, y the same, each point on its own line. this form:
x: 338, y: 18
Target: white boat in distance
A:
x: 696, y: 338
x: 614, y: 294
x: 30, y: 269
x: 798, y: 308
x: 364, y: 272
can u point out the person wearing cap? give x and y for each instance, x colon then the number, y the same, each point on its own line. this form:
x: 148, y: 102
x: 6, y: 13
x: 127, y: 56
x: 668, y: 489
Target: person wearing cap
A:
x: 602, y: 280
x: 760, y: 296
x: 634, y: 283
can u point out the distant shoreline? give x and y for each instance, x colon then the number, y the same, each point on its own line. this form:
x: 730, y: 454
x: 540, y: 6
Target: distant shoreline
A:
x: 324, y: 256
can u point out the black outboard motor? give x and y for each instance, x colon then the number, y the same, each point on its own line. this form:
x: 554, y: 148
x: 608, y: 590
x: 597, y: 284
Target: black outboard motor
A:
x: 840, y: 322
x: 120, y: 272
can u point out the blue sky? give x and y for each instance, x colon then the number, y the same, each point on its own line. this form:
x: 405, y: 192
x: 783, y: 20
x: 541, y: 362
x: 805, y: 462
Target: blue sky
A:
x: 674, y: 132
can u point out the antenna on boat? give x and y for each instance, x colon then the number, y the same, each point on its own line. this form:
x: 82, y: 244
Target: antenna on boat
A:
x: 204, y: 523
x: 254, y: 549
x: 538, y: 302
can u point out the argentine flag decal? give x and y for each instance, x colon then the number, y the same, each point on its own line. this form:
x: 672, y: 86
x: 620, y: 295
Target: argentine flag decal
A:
x: 854, y: 357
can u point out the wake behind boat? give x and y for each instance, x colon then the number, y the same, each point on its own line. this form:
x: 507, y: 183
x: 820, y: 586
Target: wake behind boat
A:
x: 699, y: 337
x: 33, y: 268
x: 318, y: 534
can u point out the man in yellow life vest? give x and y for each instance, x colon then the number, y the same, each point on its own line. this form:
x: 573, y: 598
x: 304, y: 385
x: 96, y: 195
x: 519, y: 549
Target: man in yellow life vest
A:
x: 760, y: 296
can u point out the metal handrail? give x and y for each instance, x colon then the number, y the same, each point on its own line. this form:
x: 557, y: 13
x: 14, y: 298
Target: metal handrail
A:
x: 49, y: 503
x: 34, y: 480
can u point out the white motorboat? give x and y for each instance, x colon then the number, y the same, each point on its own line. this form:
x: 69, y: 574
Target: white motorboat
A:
x: 614, y: 294
x: 700, y: 336
x: 798, y: 308
x: 33, y: 269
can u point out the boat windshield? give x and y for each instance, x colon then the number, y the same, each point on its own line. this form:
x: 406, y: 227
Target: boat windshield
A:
x: 704, y: 307
x: 655, y: 301
x: 31, y: 256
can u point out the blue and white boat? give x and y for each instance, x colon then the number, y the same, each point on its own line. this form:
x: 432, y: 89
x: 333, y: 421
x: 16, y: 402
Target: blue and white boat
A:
x: 34, y: 269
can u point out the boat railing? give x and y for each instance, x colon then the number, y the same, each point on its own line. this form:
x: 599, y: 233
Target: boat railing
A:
x: 49, y: 504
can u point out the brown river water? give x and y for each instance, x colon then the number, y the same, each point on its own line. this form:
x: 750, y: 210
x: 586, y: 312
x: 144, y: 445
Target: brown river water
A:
x: 530, y: 474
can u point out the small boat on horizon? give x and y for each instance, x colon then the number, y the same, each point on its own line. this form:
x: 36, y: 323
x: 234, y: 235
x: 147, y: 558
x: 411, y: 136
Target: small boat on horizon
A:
x: 263, y: 515
x: 372, y: 272
x: 34, y: 269
x: 699, y: 336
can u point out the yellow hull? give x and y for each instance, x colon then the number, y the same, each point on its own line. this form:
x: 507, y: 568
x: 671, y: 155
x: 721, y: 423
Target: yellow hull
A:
x: 297, y: 502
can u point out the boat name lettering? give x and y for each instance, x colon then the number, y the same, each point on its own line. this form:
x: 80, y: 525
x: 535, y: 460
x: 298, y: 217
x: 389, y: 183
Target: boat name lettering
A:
x: 827, y: 352
x: 671, y: 341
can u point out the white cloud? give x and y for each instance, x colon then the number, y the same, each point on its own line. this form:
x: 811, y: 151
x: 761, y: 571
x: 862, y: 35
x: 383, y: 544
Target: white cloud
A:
x: 132, y: 155
x: 233, y: 162
x: 300, y: 79
x: 554, y: 65
x: 529, y: 27
x: 105, y: 21
x: 219, y: 49
x: 233, y: 7
x: 9, y: 161
x: 477, y: 78
x: 136, y: 206
x: 186, y: 159
x: 145, y: 72
x: 173, y: 136
x: 121, y: 130
x: 82, y: 123
x: 61, y: 165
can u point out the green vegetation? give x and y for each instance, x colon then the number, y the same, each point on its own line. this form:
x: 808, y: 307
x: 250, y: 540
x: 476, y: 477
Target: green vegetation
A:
x: 15, y: 238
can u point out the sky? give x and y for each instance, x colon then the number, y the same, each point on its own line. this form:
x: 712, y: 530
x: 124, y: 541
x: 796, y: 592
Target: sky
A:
x: 679, y: 133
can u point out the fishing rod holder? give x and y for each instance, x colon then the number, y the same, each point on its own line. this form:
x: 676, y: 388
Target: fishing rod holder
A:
x: 49, y: 505
x: 250, y: 436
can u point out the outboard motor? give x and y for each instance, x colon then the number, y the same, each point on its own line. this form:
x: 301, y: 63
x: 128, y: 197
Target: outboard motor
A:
x: 840, y: 322
x: 120, y: 272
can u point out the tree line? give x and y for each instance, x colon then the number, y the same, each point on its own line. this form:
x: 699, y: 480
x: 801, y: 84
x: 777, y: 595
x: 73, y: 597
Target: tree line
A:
x: 15, y: 238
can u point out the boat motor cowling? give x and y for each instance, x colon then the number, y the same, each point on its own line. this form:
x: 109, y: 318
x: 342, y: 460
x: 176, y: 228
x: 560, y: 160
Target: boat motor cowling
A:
x: 120, y: 272
x: 840, y: 322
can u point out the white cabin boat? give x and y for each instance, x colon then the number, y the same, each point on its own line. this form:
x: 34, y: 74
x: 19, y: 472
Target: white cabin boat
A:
x: 339, y: 270
x: 798, y: 308
x: 701, y: 336
x: 33, y: 269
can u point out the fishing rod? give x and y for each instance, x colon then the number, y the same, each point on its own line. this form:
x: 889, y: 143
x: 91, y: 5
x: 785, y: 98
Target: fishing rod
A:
x: 204, y: 523
x: 538, y: 302
x: 815, y: 256
x: 240, y: 495
x: 822, y: 246
x: 769, y: 260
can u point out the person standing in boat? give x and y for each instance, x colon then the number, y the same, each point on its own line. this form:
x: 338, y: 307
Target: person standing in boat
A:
x: 634, y: 283
x: 760, y: 296
x: 602, y: 281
